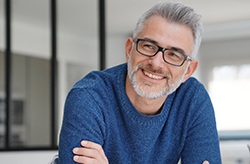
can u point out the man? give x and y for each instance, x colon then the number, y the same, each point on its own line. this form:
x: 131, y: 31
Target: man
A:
x: 148, y: 110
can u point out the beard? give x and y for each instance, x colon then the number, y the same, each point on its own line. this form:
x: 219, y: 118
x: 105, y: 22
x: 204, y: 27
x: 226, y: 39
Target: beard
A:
x: 142, y: 91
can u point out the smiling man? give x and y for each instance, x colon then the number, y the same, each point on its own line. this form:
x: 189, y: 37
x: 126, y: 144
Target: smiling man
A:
x: 150, y: 109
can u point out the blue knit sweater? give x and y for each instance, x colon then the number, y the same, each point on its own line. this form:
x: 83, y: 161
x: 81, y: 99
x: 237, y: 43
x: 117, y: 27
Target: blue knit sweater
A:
x: 98, y: 109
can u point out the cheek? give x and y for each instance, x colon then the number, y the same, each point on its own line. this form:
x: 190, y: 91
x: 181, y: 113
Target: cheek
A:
x: 135, y: 58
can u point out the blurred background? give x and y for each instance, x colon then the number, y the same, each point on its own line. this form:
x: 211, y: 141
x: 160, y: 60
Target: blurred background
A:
x: 46, y: 46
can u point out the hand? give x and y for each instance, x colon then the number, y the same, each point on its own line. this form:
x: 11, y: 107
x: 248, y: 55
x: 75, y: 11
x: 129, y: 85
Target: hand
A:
x: 205, y: 162
x: 90, y: 153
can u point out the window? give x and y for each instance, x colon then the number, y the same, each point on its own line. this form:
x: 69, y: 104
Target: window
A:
x: 40, y: 71
x: 230, y: 91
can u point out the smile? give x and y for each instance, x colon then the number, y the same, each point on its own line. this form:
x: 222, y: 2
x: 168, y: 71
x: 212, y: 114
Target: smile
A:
x: 152, y: 76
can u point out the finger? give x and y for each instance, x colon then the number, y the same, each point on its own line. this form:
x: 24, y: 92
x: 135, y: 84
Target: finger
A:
x: 88, y: 155
x: 91, y: 150
x: 87, y: 152
x: 92, y: 145
x: 83, y: 159
x: 89, y: 144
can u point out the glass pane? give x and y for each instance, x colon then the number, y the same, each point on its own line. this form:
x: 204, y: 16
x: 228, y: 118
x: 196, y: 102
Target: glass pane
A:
x: 2, y: 75
x: 119, y: 26
x: 2, y: 26
x: 230, y: 92
x: 2, y: 101
x: 77, y: 43
x: 30, y: 107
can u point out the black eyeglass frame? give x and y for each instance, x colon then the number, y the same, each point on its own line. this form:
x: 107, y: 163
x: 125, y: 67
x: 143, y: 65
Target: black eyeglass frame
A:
x: 186, y: 57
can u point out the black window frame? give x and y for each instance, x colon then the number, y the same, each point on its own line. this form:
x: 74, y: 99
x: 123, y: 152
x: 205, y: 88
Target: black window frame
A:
x: 54, y: 72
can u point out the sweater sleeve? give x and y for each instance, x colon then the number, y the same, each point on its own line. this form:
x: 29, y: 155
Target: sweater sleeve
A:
x: 202, y: 138
x: 82, y: 120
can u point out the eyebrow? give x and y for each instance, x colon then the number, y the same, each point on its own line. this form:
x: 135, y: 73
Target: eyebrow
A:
x: 171, y: 48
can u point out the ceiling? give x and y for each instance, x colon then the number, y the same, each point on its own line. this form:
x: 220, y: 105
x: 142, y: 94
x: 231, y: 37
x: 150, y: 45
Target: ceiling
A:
x: 80, y: 17
x: 212, y: 11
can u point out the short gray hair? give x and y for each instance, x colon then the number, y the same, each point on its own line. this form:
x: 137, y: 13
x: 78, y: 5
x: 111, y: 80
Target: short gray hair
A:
x: 176, y: 13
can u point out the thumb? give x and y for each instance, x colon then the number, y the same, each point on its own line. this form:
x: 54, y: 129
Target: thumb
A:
x: 205, y: 162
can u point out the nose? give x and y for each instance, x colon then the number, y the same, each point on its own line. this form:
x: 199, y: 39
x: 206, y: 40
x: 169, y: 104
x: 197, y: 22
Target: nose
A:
x: 157, y: 59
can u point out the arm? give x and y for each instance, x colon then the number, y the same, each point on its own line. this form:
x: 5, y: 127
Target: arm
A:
x: 91, y: 152
x: 82, y: 120
x: 202, y: 141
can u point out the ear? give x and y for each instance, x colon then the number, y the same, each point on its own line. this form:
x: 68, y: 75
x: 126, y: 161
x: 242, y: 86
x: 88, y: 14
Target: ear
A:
x: 128, y: 47
x: 191, y: 69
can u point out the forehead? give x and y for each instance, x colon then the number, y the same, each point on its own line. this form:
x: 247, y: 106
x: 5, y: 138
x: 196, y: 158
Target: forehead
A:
x: 168, y: 34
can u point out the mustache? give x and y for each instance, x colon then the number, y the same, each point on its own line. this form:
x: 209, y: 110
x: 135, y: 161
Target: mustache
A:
x: 152, y: 69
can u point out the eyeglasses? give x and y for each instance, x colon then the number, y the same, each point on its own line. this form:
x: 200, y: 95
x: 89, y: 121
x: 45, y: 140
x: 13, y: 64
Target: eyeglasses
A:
x: 170, y: 55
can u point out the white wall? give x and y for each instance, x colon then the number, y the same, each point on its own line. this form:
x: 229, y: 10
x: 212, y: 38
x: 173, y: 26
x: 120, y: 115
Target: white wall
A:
x: 27, y: 157
x: 222, y: 41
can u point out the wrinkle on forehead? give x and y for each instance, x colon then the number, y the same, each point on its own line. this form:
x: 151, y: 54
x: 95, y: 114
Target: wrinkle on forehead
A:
x: 168, y: 34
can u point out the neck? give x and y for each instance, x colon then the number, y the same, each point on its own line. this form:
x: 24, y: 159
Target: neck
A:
x: 144, y: 105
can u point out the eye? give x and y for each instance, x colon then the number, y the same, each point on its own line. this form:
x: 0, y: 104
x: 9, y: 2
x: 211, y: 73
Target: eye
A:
x: 149, y: 46
x: 173, y: 55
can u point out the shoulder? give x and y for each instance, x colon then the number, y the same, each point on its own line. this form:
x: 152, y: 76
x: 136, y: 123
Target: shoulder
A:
x: 192, y: 88
x: 97, y: 87
x: 194, y: 96
x: 192, y: 83
x: 100, y: 78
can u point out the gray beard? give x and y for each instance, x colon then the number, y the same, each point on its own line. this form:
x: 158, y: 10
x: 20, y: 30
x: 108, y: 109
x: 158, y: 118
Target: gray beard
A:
x: 167, y: 90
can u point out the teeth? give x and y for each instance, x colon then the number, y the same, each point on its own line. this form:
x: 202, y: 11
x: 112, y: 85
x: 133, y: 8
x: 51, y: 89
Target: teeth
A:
x: 153, y: 76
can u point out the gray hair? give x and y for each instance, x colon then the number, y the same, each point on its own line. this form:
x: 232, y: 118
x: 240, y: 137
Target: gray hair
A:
x: 175, y: 13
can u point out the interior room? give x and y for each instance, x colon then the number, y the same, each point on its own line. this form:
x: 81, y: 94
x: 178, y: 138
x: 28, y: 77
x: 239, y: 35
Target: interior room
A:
x: 50, y: 52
